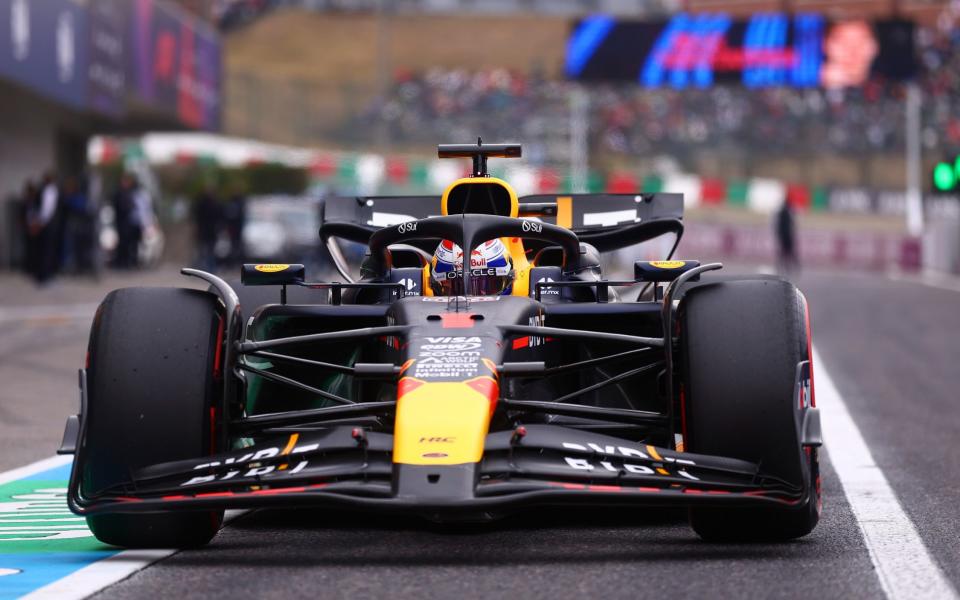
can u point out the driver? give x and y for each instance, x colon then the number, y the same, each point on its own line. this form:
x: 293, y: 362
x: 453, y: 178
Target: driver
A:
x: 491, y: 270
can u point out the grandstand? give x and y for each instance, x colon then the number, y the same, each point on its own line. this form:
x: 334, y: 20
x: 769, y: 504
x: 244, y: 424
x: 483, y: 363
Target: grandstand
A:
x: 400, y: 79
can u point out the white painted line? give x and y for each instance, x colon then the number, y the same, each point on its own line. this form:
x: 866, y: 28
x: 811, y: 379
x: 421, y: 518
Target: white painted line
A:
x: 104, y: 573
x: 96, y: 576
x: 34, y: 468
x: 904, y: 565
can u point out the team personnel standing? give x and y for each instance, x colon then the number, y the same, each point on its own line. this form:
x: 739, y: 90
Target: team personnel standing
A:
x: 42, y: 229
x: 123, y: 204
x: 206, y: 217
x: 79, y: 227
x: 234, y: 219
x: 786, y: 230
x: 142, y: 219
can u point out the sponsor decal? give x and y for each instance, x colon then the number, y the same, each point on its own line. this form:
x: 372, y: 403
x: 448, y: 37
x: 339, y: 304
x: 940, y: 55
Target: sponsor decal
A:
x: 442, y: 357
x: 533, y: 226
x: 610, y: 218
x: 438, y: 440
x: 253, y: 471
x: 410, y: 285
x: 461, y: 298
x: 667, y: 264
x: 548, y: 289
x: 407, y: 227
x: 20, y: 29
x: 477, y: 272
x: 448, y: 346
x: 535, y: 321
x: 271, y: 268
x: 66, y: 52
x: 625, y: 451
x: 621, y: 452
x: 434, y: 455
x: 582, y: 464
x: 387, y: 219
x: 252, y: 467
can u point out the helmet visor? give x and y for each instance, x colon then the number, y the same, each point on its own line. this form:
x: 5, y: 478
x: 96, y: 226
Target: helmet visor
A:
x: 489, y: 281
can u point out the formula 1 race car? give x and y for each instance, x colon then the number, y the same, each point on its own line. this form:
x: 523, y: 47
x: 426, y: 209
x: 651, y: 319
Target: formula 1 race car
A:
x: 417, y: 390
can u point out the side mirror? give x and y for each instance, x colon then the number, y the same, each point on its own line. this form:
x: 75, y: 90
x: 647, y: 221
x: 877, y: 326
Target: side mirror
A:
x: 405, y: 255
x: 663, y: 270
x: 272, y: 274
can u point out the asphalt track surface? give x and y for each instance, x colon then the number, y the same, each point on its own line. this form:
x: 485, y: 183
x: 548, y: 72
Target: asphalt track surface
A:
x: 892, y: 347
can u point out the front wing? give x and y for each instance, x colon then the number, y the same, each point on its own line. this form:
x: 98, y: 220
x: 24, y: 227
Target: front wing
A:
x: 535, y: 465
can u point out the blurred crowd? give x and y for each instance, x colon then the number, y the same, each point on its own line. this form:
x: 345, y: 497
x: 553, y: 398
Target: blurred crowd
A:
x: 73, y: 226
x: 448, y: 104
x: 62, y: 226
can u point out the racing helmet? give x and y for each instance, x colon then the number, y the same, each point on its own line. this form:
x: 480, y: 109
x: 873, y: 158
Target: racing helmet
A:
x: 491, y: 270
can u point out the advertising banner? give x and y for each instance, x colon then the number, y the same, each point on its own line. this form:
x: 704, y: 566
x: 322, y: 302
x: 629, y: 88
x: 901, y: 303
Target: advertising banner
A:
x: 106, y: 56
x: 174, y: 63
x: 43, y: 46
x: 768, y: 49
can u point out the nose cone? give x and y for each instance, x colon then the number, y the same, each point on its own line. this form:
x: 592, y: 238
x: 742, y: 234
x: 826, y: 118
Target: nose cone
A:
x: 443, y: 423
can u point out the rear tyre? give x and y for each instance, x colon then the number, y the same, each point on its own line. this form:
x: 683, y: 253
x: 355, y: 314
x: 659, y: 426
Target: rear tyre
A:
x: 151, y: 391
x: 740, y: 344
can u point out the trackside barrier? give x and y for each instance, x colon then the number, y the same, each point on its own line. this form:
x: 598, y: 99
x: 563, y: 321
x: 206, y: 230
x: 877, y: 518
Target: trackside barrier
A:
x: 858, y: 250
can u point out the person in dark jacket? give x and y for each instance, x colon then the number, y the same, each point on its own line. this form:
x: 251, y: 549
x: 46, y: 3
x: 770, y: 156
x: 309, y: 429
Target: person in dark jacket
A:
x: 234, y: 219
x: 123, y: 206
x: 786, y: 230
x: 78, y: 226
x: 207, y: 218
x: 29, y: 198
x: 43, y: 230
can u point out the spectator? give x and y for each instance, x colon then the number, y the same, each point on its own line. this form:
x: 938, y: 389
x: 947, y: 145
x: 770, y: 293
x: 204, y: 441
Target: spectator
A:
x: 42, y: 229
x: 142, y: 219
x: 234, y: 219
x: 79, y: 227
x: 785, y: 228
x: 123, y: 207
x: 29, y: 199
x: 207, y: 219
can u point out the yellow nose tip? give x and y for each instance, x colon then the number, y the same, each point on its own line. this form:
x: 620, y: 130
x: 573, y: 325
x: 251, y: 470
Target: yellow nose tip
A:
x: 441, y: 423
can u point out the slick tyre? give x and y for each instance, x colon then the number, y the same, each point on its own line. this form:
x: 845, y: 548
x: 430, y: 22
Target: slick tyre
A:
x: 741, y: 341
x: 152, y: 387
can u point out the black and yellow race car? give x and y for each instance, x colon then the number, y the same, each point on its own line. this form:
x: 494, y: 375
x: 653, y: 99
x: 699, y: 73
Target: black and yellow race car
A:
x: 380, y: 394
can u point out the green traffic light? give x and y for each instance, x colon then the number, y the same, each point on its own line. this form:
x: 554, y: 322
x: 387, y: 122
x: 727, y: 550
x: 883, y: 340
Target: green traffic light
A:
x: 944, y: 176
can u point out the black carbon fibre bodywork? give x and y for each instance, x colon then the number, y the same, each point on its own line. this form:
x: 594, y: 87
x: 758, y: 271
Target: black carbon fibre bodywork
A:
x: 583, y: 409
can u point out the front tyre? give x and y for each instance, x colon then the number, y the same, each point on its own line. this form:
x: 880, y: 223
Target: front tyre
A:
x: 741, y: 341
x: 152, y: 389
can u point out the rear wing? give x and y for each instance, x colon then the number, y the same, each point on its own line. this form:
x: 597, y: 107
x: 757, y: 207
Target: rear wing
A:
x: 608, y: 221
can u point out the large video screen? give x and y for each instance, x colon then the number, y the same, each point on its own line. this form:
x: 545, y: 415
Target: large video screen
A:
x: 770, y: 49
